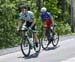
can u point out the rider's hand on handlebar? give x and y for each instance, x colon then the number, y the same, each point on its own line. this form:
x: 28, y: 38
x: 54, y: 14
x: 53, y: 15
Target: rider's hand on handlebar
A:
x: 29, y: 28
x: 52, y: 26
x: 17, y: 31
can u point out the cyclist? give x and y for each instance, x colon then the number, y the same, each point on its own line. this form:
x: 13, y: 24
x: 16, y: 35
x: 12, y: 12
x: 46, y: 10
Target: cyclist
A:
x: 47, y: 19
x: 27, y: 21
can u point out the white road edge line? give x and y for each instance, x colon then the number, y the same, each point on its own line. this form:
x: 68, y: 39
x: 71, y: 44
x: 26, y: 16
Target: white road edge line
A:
x: 69, y: 60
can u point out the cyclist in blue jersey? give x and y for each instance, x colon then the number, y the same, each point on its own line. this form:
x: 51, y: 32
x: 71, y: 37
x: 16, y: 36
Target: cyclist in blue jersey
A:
x: 26, y: 16
x: 47, y: 20
x: 46, y: 17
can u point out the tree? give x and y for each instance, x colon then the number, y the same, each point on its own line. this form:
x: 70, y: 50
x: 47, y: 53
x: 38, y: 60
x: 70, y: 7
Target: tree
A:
x: 9, y: 17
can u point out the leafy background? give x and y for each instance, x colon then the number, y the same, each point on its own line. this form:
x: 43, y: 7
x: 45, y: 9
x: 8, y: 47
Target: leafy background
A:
x: 9, y: 18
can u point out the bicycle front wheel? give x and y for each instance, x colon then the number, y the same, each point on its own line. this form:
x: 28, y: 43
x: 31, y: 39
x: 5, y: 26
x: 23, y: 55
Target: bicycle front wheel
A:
x: 55, y: 38
x: 44, y: 40
x: 25, y: 47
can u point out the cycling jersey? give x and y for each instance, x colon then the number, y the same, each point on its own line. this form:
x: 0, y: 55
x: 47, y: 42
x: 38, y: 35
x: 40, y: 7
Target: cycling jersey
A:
x: 28, y: 17
x: 47, y: 17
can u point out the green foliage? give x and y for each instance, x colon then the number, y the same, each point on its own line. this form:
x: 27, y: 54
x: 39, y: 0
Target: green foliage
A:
x: 63, y: 28
x: 9, y: 18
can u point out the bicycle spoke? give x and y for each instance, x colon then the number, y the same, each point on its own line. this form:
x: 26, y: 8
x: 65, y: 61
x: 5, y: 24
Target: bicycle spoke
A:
x: 25, y: 47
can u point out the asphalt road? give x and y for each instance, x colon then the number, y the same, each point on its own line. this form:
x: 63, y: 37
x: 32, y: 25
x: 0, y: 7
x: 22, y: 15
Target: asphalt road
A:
x: 65, y: 52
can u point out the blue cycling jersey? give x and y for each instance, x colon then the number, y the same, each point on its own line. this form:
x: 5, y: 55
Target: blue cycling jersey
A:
x: 46, y: 15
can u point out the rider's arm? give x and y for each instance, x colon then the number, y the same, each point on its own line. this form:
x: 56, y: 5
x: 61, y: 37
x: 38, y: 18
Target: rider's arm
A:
x: 52, y: 21
x: 33, y: 19
x: 51, y: 18
x: 21, y: 21
x: 33, y: 22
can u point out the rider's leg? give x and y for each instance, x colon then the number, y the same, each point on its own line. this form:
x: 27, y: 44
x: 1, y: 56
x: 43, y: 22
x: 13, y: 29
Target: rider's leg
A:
x: 47, y: 33
x: 35, y: 38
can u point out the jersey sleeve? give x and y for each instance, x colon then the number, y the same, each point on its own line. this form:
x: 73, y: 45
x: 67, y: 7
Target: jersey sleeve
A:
x: 32, y: 15
x: 50, y: 16
x: 20, y: 16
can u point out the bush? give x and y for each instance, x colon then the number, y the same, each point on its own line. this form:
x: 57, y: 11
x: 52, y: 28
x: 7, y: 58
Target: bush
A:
x: 64, y: 28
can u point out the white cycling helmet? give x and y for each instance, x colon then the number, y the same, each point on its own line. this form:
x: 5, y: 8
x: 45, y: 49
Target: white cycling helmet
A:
x: 43, y: 9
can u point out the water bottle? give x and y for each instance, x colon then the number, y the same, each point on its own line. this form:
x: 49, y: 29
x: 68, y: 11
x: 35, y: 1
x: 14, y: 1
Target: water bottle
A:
x: 31, y: 42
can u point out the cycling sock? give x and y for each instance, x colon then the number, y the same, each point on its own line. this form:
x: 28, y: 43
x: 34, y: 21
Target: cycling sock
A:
x: 36, y: 44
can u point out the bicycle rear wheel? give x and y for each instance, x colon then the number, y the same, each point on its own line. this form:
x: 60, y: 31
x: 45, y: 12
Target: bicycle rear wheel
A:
x: 25, y: 47
x: 37, y: 49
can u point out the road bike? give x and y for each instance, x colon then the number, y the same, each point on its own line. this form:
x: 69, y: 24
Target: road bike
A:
x: 48, y: 36
x: 27, y: 43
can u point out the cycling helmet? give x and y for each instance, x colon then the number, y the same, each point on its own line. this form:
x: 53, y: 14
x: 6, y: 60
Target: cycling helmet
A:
x: 23, y: 7
x: 43, y: 9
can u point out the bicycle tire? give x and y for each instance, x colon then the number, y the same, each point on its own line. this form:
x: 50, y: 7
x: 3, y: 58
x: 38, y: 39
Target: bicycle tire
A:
x: 22, y: 48
x: 55, y: 39
x: 43, y: 39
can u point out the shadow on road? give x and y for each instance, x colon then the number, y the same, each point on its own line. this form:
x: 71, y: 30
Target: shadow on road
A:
x: 34, y: 55
x: 51, y: 48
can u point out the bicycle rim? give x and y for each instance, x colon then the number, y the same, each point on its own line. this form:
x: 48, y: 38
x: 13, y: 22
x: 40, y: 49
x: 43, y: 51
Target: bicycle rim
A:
x: 25, y: 47
x: 55, y: 39
x: 45, y: 41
